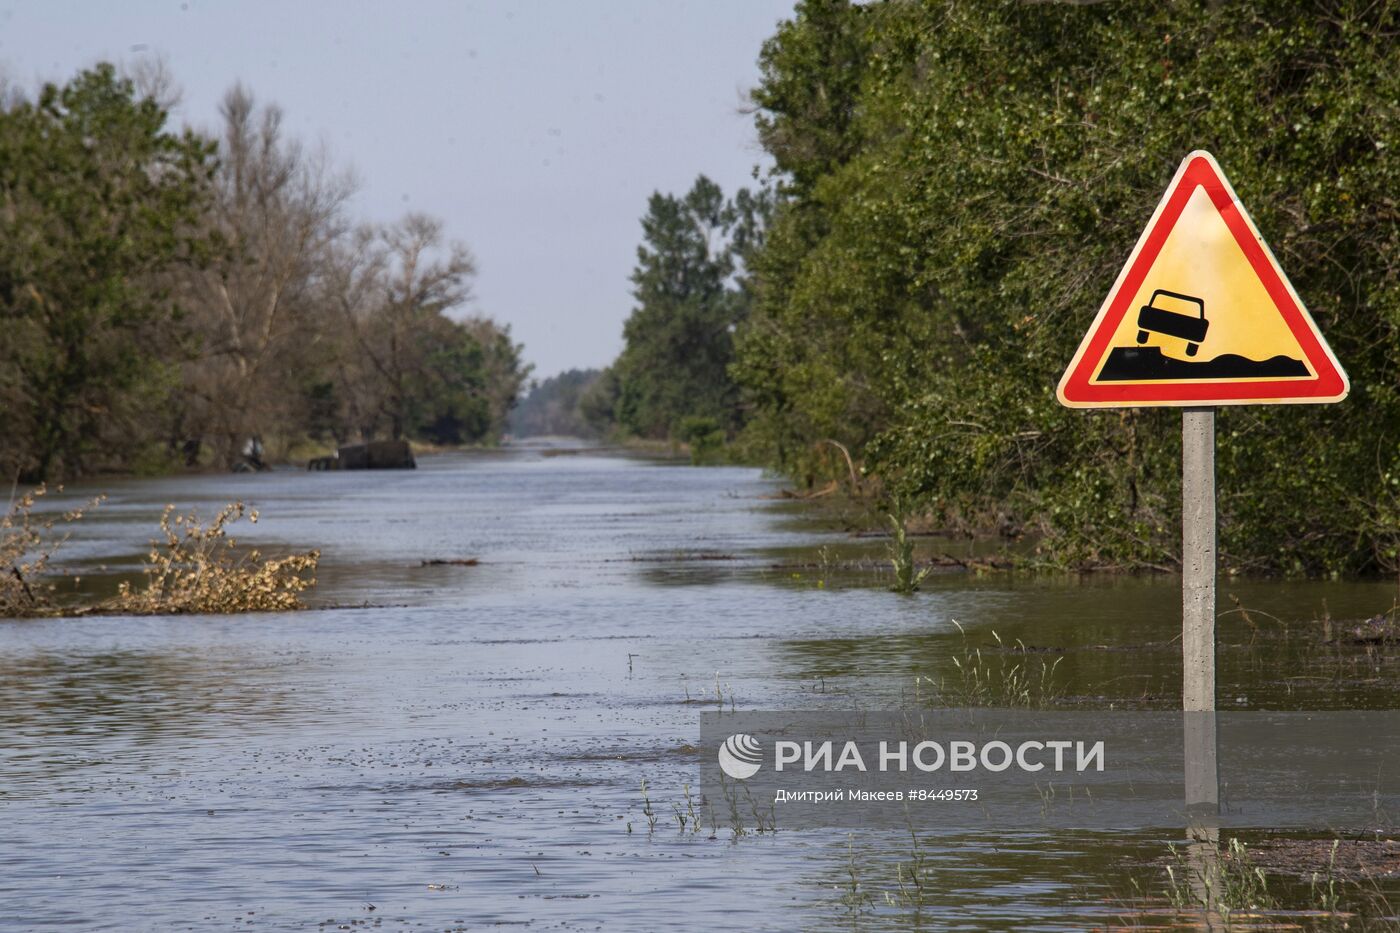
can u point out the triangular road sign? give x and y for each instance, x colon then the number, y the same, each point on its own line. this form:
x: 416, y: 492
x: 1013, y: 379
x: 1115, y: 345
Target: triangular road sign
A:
x: 1202, y: 314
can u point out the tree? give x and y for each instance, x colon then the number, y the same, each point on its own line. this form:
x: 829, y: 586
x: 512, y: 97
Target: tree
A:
x: 160, y: 294
x: 679, y: 338
x: 398, y: 329
x: 597, y: 404
x: 99, y: 203
x: 410, y: 370
x: 806, y: 106
x: 259, y: 320
x: 504, y: 372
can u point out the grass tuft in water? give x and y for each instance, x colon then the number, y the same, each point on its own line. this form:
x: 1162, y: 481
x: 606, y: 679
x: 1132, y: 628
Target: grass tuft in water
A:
x: 1226, y: 882
x: 1008, y: 677
x: 647, y: 810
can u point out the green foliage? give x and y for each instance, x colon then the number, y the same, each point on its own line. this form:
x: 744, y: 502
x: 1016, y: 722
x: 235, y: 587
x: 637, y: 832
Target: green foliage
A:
x: 597, y: 404
x: 704, y: 436
x: 446, y: 402
x: 907, y: 575
x: 1225, y: 882
x: 554, y: 406
x: 157, y: 302
x: 962, y: 182
x: 679, y: 338
x: 413, y: 370
x: 812, y: 70
x: 98, y: 202
x: 474, y: 375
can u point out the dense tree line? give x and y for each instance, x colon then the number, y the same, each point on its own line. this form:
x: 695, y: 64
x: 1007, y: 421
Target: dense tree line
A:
x: 959, y: 184
x: 166, y: 297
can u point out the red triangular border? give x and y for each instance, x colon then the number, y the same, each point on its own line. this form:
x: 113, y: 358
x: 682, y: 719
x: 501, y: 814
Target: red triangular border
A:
x: 1199, y: 169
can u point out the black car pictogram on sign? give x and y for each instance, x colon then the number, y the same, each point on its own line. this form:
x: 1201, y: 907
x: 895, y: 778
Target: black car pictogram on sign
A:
x: 1154, y: 318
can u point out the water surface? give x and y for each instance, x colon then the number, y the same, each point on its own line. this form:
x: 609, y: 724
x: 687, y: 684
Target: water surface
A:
x: 459, y: 746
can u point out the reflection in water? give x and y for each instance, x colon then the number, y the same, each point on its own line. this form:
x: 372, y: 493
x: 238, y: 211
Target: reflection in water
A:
x: 469, y: 749
x: 118, y: 710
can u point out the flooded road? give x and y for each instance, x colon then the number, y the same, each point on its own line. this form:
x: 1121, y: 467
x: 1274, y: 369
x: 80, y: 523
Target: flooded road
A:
x: 452, y: 746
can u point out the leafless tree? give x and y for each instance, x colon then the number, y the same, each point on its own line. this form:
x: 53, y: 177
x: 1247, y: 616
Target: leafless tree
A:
x: 277, y: 213
x: 421, y: 278
x: 153, y: 80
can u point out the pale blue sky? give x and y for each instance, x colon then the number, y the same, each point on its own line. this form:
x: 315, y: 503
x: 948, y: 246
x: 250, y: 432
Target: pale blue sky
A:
x: 536, y: 130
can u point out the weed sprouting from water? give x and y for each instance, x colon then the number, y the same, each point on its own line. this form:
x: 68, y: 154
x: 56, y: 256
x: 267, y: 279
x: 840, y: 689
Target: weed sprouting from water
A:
x: 1217, y: 882
x: 720, y: 694
x: 824, y: 562
x: 647, y: 810
x: 1230, y: 885
x: 764, y: 822
x: 854, y: 897
x: 1248, y: 615
x: 1001, y: 680
x: 911, y: 878
x: 731, y: 799
x: 863, y: 884
x: 744, y: 814
x: 688, y: 818
x: 1227, y: 887
x: 1323, y: 888
x: 907, y: 576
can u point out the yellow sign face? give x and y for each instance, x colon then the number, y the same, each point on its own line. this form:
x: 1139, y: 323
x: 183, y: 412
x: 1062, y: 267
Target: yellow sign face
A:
x: 1201, y: 314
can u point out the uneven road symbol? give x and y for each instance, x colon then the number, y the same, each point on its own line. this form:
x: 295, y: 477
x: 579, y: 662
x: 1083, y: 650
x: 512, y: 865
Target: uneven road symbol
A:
x: 1154, y: 317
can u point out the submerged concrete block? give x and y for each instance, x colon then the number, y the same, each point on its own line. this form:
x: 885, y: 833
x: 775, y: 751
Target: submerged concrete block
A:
x: 377, y: 455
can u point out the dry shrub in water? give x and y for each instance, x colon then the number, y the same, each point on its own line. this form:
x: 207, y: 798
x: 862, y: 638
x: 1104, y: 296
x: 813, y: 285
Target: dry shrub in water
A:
x: 199, y: 569
x: 27, y: 545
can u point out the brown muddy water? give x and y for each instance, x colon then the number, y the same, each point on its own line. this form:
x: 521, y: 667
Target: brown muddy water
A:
x: 468, y: 750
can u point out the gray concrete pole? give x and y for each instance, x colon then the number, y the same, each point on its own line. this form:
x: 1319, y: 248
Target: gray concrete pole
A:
x: 1198, y: 559
x: 1198, y: 656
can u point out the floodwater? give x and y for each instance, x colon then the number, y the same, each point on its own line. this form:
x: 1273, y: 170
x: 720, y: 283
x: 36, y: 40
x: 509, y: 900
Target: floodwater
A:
x: 452, y: 747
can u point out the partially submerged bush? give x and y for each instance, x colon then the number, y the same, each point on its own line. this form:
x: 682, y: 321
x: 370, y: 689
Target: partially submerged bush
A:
x: 27, y: 545
x: 198, y: 568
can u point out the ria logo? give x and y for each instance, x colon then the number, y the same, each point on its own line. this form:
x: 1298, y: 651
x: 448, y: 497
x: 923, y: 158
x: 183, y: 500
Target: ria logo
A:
x: 740, y: 756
